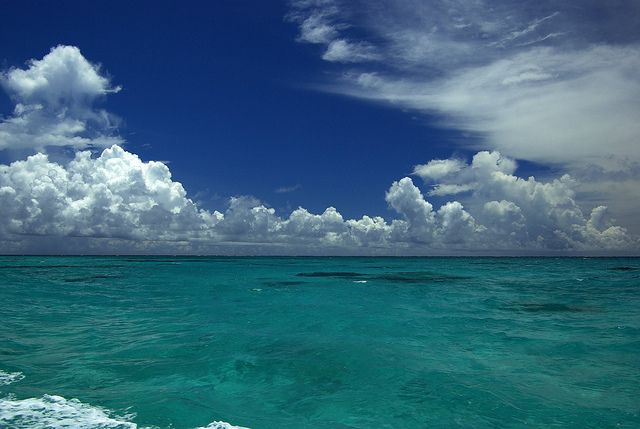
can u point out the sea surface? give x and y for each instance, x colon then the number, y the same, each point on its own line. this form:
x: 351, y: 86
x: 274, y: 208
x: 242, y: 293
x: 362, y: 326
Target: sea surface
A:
x: 288, y: 342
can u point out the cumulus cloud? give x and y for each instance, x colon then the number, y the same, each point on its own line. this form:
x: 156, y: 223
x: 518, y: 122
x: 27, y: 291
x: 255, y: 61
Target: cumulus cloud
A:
x: 115, y: 195
x: 118, y: 196
x: 406, y: 198
x: 511, y: 211
x: 457, y: 225
x: 62, y: 78
x: 370, y: 232
x: 54, y: 104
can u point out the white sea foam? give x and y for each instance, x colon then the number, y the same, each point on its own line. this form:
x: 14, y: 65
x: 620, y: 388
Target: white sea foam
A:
x: 56, y: 412
x: 221, y: 425
x: 53, y: 412
x: 7, y: 378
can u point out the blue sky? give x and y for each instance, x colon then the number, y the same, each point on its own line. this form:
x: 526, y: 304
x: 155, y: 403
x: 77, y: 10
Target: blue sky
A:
x: 320, y: 127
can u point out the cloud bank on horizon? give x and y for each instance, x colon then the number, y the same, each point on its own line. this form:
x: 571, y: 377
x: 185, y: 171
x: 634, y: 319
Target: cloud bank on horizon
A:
x: 107, y: 200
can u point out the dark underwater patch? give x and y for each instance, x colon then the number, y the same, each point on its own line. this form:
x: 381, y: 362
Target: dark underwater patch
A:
x: 496, y: 263
x: 623, y: 269
x: 283, y: 283
x: 418, y: 277
x: 338, y: 274
x: 37, y: 267
x: 90, y: 279
x: 410, y: 277
x: 548, y: 307
x: 50, y: 267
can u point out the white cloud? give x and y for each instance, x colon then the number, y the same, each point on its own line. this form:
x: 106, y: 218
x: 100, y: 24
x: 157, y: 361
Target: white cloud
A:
x: 116, y: 196
x: 438, y: 168
x: 321, y: 23
x: 517, y: 34
x: 317, y: 20
x: 511, y: 211
x: 62, y: 78
x: 442, y: 189
x: 458, y: 226
x: 369, y: 231
x: 287, y: 189
x: 545, y: 82
x: 315, y: 30
x: 54, y: 107
x: 346, y: 52
x: 406, y: 198
x: 542, y: 105
x: 545, y: 105
x: 504, y: 220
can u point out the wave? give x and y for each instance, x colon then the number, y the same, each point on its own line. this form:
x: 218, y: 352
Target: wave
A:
x: 7, y: 378
x: 221, y: 425
x: 52, y: 411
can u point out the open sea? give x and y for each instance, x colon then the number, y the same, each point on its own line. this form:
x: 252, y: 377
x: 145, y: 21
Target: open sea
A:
x: 306, y: 342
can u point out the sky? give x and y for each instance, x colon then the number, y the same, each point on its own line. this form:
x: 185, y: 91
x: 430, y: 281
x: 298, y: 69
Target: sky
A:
x: 320, y: 127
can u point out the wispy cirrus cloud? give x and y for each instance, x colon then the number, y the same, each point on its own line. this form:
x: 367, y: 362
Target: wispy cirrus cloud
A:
x: 287, y: 189
x: 573, y: 108
x: 535, y: 82
x: 322, y: 22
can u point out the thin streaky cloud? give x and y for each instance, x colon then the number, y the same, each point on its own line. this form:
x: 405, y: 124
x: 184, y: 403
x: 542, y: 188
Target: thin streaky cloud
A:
x: 285, y: 189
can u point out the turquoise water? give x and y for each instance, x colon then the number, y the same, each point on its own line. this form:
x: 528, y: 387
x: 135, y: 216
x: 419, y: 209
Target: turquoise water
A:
x: 179, y: 342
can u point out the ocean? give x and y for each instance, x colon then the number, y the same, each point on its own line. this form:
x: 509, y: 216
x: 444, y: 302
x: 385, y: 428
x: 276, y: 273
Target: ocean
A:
x: 306, y: 342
